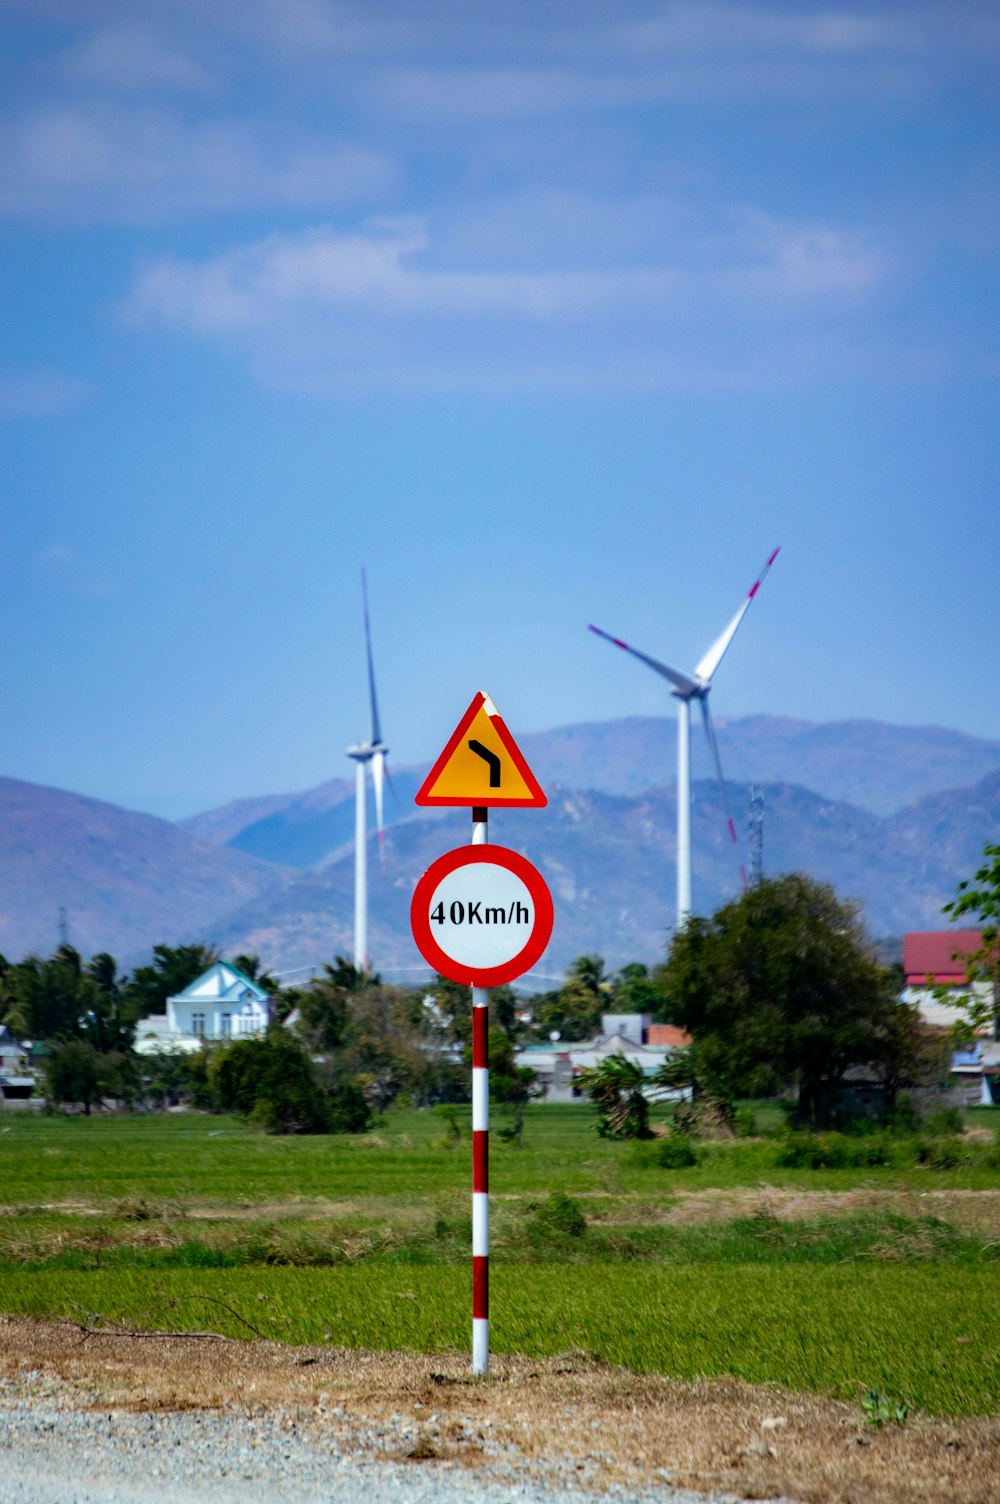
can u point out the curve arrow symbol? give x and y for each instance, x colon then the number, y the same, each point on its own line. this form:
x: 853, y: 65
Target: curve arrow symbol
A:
x: 488, y: 757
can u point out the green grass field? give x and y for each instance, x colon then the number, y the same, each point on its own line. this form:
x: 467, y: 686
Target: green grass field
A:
x: 199, y: 1222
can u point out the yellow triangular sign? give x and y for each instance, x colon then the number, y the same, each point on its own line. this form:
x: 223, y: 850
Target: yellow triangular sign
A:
x: 482, y: 765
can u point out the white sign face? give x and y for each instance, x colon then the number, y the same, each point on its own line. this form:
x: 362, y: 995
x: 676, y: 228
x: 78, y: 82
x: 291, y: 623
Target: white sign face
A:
x: 481, y: 915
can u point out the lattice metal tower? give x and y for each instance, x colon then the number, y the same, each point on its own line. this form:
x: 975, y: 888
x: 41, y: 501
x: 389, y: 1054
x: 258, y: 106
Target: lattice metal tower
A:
x: 755, y: 834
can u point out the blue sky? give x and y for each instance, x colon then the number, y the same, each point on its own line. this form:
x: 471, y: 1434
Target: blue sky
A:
x: 546, y: 314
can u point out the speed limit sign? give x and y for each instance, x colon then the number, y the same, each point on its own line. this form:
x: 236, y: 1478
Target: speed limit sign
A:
x: 481, y: 915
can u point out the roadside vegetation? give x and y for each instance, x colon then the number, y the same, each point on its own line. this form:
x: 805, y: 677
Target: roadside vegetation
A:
x: 842, y: 1278
x: 313, y: 1185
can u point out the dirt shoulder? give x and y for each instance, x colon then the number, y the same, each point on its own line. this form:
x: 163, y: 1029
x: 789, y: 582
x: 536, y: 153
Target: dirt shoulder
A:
x: 613, y: 1426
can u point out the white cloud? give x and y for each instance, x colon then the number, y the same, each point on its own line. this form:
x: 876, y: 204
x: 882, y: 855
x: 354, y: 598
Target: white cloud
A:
x: 809, y: 260
x: 132, y: 58
x: 722, y: 30
x: 488, y: 93
x: 376, y: 271
x: 130, y: 165
x: 376, y: 306
x: 38, y: 393
x: 311, y: 29
x: 628, y: 57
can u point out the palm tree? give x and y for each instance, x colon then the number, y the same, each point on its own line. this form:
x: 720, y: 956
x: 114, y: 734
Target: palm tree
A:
x: 615, y: 1088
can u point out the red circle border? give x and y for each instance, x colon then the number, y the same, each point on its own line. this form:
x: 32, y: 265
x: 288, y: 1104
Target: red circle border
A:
x: 481, y: 976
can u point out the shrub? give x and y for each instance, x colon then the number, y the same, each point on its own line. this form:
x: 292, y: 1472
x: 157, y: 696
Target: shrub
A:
x: 616, y: 1089
x: 832, y: 1151
x: 560, y: 1214
x: 712, y: 1116
x: 448, y: 1113
x: 272, y: 1083
x: 881, y: 1409
x: 904, y: 1117
x: 347, y: 1109
x: 675, y: 1153
x: 946, y: 1122
x: 941, y: 1153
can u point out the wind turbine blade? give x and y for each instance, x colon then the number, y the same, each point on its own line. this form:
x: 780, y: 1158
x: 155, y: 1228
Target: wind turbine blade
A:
x: 708, y: 665
x: 706, y: 716
x: 392, y: 787
x: 376, y: 730
x: 683, y: 682
x: 378, y: 784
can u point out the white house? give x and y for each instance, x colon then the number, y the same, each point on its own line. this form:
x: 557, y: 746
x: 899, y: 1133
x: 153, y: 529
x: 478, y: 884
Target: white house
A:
x: 17, y: 1079
x: 223, y: 1003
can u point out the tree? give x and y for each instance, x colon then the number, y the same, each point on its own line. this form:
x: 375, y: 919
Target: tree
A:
x: 616, y: 1089
x: 324, y: 1004
x: 8, y: 973
x: 512, y: 1086
x: 347, y: 1108
x: 381, y: 1051
x: 575, y: 1008
x: 73, y: 1073
x: 120, y: 1078
x: 45, y: 996
x: 782, y: 986
x: 635, y: 990
x: 454, y: 1005
x: 107, y: 1020
x: 166, y: 1076
x: 711, y: 1102
x: 80, y: 1009
x: 252, y: 968
x: 979, y: 898
x: 272, y: 1081
x: 173, y: 968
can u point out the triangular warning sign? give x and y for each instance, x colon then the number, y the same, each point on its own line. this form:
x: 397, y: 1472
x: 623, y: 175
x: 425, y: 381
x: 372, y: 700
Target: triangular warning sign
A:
x: 482, y: 765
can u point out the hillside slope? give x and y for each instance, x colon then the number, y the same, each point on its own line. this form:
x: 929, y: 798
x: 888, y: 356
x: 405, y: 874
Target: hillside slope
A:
x: 875, y: 767
x: 126, y: 880
x: 129, y: 880
x: 609, y: 861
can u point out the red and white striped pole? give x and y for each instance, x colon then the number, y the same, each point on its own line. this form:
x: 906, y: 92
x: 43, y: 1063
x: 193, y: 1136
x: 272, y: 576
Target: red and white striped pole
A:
x: 480, y: 1151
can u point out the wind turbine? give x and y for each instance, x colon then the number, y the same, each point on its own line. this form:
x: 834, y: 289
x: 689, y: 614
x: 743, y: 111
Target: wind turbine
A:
x: 373, y: 751
x: 688, y: 687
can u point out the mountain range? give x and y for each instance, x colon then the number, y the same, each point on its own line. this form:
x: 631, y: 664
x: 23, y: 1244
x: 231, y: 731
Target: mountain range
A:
x: 893, y: 816
x: 125, y: 880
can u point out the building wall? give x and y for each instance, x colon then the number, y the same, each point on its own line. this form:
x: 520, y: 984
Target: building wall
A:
x: 215, y: 1018
x: 943, y: 1015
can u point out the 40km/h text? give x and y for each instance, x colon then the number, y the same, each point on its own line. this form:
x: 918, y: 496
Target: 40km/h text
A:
x: 460, y: 912
x: 481, y: 915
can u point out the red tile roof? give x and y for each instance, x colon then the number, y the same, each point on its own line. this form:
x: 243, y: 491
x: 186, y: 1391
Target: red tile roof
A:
x: 667, y: 1034
x: 932, y: 953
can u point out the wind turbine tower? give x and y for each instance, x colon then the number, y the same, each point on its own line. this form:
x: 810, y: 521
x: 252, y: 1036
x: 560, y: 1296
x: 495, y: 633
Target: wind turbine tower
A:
x: 688, y: 687
x: 755, y: 834
x: 374, y: 752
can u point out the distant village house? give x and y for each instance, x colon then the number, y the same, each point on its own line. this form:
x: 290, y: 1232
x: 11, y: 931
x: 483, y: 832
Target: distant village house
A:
x: 221, y: 1004
x: 935, y: 976
x: 557, y: 1065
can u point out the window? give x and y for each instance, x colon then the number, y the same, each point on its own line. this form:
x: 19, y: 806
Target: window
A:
x: 226, y: 1025
x: 197, y: 1023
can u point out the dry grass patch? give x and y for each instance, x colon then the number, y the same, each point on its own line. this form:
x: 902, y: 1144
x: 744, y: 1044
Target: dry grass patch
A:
x: 756, y: 1441
x: 970, y: 1210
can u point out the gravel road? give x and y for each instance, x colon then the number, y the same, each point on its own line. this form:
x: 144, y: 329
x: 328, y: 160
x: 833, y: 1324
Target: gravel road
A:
x: 53, y: 1455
